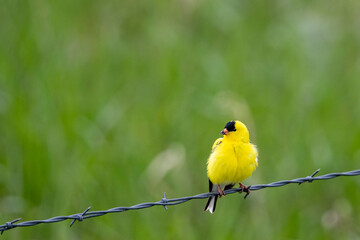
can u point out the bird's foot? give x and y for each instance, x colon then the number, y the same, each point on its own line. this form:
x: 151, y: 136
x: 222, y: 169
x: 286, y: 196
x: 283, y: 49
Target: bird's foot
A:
x: 245, y: 189
x: 221, y: 192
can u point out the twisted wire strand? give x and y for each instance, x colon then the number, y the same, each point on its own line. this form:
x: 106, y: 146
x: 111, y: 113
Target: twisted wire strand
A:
x: 168, y: 202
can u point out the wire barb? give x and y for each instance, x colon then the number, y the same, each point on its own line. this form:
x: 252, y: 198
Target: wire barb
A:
x: 310, y: 178
x: 79, y: 217
x: 247, y: 191
x: 312, y: 175
x: 165, y: 201
x: 9, y: 225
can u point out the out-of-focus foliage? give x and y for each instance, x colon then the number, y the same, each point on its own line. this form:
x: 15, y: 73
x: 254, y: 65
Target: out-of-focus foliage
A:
x: 112, y: 103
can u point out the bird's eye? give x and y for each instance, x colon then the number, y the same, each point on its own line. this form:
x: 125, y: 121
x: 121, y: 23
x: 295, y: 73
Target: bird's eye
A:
x: 230, y: 126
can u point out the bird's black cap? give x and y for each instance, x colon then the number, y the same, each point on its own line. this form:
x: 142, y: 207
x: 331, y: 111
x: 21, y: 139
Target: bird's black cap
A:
x: 230, y: 126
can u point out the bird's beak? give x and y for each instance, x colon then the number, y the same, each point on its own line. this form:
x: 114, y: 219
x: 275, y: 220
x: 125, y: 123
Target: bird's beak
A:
x: 224, y: 132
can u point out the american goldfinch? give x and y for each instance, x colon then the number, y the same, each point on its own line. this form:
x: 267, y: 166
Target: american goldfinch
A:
x: 233, y: 159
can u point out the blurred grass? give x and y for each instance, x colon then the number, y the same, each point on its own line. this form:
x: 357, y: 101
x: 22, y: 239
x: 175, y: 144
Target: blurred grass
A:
x: 91, y: 92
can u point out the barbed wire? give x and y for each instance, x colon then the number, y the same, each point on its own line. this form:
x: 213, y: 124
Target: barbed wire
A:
x: 168, y: 202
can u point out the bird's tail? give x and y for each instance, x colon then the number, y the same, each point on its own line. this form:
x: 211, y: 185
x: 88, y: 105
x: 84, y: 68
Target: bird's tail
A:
x: 211, y: 204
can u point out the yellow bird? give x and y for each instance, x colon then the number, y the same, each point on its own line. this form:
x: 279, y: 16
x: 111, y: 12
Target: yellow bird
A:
x: 233, y: 159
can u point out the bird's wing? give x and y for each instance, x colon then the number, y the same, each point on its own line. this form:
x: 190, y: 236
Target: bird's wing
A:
x: 216, y: 143
x: 210, y: 186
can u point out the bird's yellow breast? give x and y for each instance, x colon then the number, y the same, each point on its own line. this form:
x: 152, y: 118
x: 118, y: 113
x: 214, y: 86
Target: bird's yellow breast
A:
x: 231, y: 162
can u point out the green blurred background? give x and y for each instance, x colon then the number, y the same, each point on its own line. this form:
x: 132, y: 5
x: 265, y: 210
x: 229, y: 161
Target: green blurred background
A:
x: 113, y: 103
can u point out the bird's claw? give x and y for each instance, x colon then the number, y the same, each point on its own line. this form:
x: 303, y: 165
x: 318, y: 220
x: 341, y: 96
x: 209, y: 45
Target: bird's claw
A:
x: 221, y: 192
x: 245, y: 189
